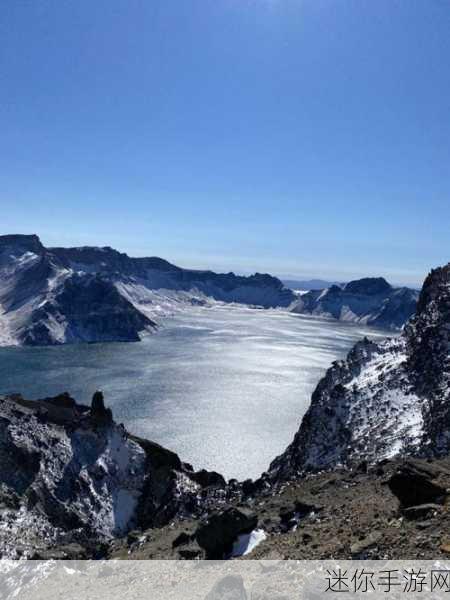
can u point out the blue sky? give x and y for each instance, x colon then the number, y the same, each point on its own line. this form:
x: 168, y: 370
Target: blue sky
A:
x: 299, y: 137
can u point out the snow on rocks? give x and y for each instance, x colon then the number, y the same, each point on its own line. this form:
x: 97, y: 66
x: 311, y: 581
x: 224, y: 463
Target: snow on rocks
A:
x: 369, y: 301
x: 386, y: 399
x: 70, y: 475
x: 90, y: 294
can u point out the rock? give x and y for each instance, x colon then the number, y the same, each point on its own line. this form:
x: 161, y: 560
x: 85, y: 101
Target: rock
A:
x: 290, y: 516
x: 208, y: 478
x: 190, y: 553
x: 182, y: 540
x: 423, y: 524
x: 65, y: 552
x: 98, y: 411
x: 361, y: 545
x: 422, y: 510
x: 217, y: 536
x: 71, y: 471
x: 253, y: 488
x: 445, y: 547
x: 414, y: 487
x: 230, y: 587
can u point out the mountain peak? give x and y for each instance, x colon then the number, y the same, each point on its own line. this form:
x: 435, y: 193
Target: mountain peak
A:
x: 368, y: 285
x: 30, y: 242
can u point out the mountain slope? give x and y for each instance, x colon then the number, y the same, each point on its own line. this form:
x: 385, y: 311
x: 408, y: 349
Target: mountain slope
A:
x: 372, y: 301
x: 70, y: 474
x: 43, y: 302
x: 89, y: 294
x: 386, y: 399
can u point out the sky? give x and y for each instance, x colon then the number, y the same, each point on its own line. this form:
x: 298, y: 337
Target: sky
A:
x: 298, y: 137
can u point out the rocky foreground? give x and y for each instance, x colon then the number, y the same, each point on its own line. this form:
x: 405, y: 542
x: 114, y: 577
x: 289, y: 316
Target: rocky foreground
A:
x: 77, y: 485
x: 367, y: 475
x: 72, y: 478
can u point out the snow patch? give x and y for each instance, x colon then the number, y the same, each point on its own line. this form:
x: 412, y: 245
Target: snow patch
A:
x: 247, y: 542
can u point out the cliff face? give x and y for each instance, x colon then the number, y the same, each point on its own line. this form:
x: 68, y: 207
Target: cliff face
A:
x: 155, y: 274
x: 386, y: 399
x: 68, y: 295
x: 371, y: 301
x: 70, y: 474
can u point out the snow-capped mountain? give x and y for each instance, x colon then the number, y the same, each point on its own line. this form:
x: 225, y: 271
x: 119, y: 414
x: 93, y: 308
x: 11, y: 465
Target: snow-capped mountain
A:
x: 386, y: 399
x: 371, y: 301
x: 67, y: 295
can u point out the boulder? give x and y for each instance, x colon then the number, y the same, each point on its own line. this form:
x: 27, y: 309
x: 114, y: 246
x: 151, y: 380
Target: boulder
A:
x: 208, y: 478
x: 218, y: 534
x: 414, y: 486
x: 422, y: 511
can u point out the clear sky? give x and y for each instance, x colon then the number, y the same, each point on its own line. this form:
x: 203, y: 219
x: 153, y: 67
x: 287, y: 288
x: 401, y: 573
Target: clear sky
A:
x: 299, y: 137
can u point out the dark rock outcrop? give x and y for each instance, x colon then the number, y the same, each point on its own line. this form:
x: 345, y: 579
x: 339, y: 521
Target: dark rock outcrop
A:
x: 217, y: 536
x: 70, y: 475
x: 414, y: 486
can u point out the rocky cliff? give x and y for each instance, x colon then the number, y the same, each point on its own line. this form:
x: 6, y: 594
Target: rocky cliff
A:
x: 386, y: 399
x: 73, y: 478
x: 89, y: 294
x: 370, y: 301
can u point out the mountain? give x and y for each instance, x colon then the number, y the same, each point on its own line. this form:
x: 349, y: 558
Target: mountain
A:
x: 385, y: 399
x: 366, y: 473
x: 90, y: 294
x: 370, y: 301
x: 71, y: 476
x: 309, y: 284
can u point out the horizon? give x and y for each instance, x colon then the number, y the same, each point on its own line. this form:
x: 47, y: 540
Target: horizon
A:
x: 298, y: 138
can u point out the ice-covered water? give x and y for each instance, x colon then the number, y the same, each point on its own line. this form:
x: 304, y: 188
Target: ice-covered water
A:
x: 225, y: 387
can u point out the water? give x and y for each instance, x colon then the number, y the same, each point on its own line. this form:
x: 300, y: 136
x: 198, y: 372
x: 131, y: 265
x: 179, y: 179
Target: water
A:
x: 225, y: 387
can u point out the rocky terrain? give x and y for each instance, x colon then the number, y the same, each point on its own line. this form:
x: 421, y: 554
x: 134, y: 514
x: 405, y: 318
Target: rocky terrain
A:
x: 73, y: 479
x: 366, y: 476
x: 75, y: 484
x: 370, y: 301
x: 396, y: 509
x: 386, y: 399
x: 90, y: 294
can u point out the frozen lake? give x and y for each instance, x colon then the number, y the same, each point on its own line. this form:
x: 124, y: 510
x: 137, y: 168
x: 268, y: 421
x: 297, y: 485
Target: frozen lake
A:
x: 224, y: 387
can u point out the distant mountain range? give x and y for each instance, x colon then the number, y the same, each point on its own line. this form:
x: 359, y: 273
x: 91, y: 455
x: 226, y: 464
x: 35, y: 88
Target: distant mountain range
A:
x: 91, y: 294
x: 309, y: 284
x: 369, y: 301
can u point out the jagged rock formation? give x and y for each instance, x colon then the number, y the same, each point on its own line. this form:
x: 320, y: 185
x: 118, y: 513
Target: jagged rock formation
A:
x: 89, y: 294
x: 386, y: 399
x: 371, y: 301
x: 71, y: 475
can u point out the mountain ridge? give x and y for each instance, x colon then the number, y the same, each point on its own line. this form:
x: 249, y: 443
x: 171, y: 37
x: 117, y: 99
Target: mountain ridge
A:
x: 370, y: 301
x: 45, y: 292
x: 385, y: 399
